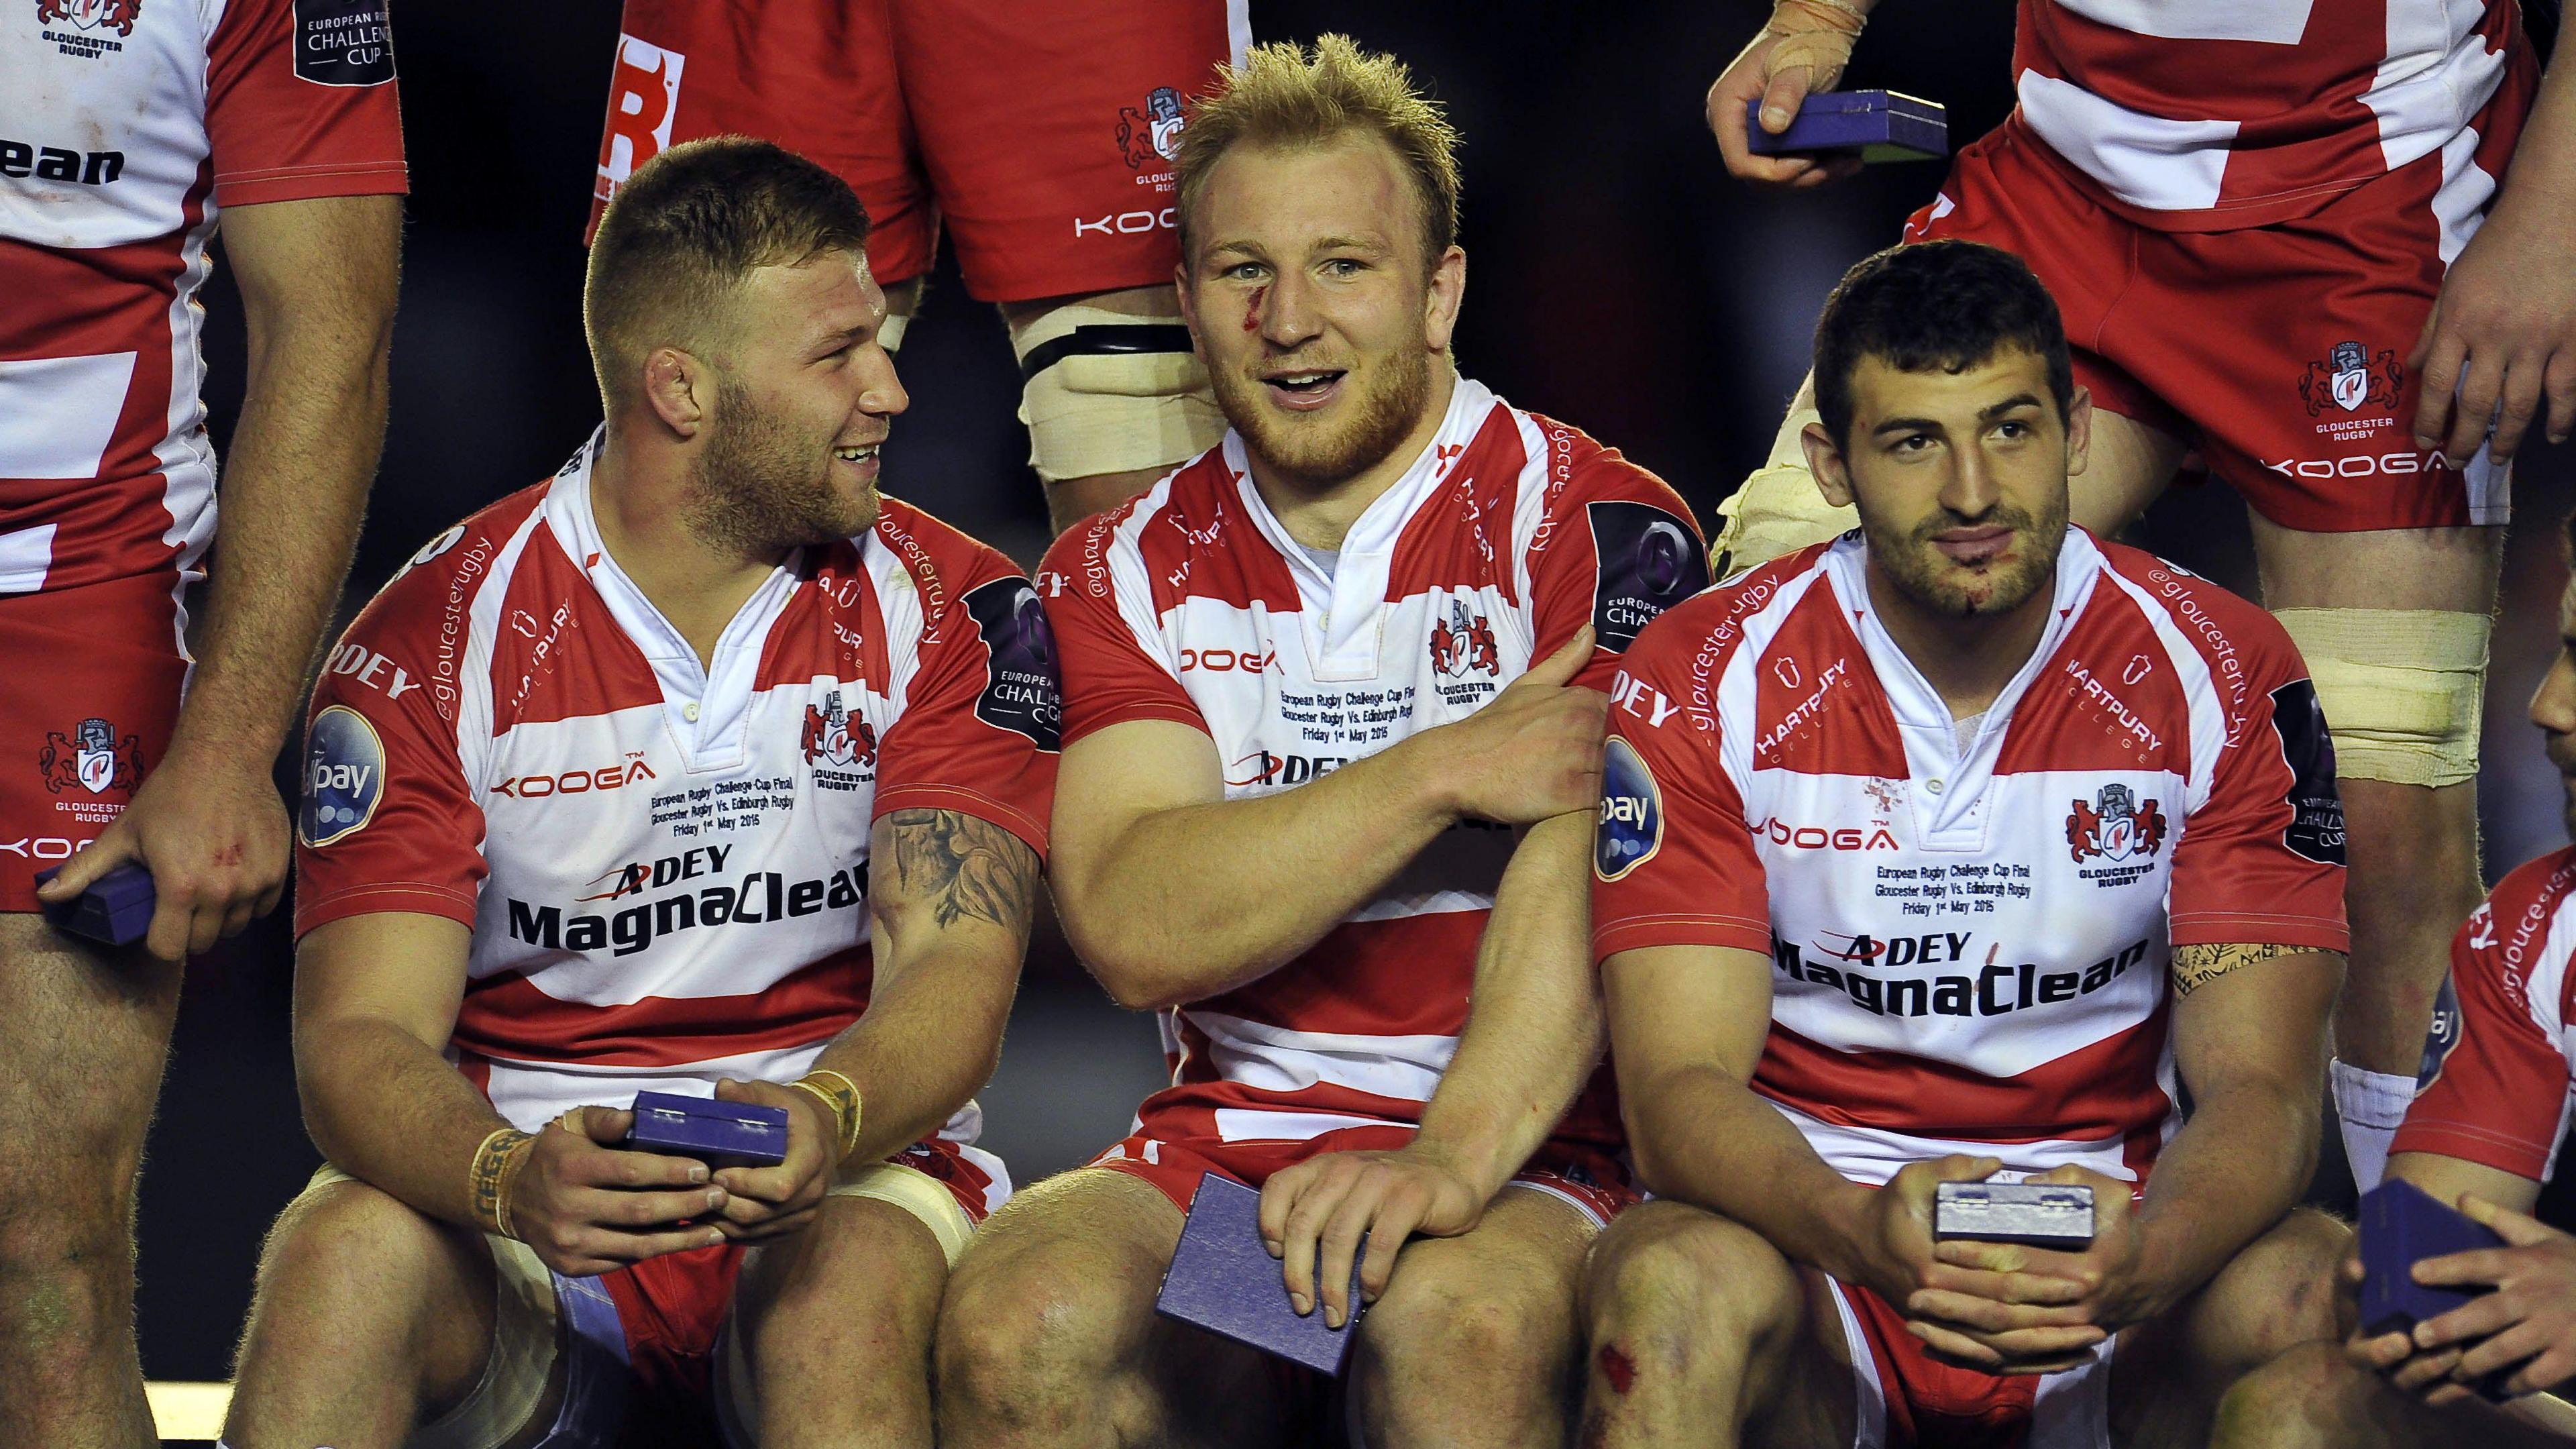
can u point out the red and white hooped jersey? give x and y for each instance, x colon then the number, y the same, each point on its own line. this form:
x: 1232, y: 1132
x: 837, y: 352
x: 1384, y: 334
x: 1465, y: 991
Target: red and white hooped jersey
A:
x: 2206, y: 115
x: 664, y: 865
x: 125, y: 127
x: 1192, y: 604
x: 1970, y: 945
x: 2497, y: 1065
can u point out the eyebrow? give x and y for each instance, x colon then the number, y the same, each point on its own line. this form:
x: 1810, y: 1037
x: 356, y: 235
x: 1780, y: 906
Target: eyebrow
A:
x: 834, y: 341
x: 2014, y: 403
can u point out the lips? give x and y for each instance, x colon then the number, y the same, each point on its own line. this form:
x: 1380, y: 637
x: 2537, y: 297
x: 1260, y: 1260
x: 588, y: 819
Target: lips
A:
x: 1306, y: 389
x: 1974, y: 547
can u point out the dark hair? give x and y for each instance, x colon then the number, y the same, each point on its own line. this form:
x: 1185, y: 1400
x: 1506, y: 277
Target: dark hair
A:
x: 690, y: 224
x: 1938, y: 304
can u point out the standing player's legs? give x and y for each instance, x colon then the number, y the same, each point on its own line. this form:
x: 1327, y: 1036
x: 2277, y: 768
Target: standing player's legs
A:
x: 370, y: 1319
x: 1048, y: 135
x: 1701, y: 1336
x: 1049, y: 1335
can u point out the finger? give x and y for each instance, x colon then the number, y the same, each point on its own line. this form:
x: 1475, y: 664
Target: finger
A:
x: 2053, y: 1345
x: 2519, y: 1230
x: 1959, y: 1167
x: 1278, y: 1196
x: 775, y: 1225
x: 1968, y: 1310
x: 2424, y: 1369
x: 2560, y: 383
x: 1561, y: 666
x: 2380, y: 1354
x: 608, y: 1126
x: 606, y: 1167
x: 2353, y: 1272
x: 2479, y: 1265
x: 1782, y: 97
x: 622, y: 1248
x: 268, y: 900
x: 2480, y: 387
x: 2543, y: 1373
x: 1340, y: 1247
x: 2518, y: 399
x: 1386, y: 1239
x: 2436, y: 381
x: 173, y: 923
x: 2467, y: 1323
x: 1305, y: 1226
x: 2444, y: 1394
x: 625, y: 1211
x: 238, y: 919
x: 205, y: 927
x: 1953, y: 1345
x: 772, y: 1185
x: 2042, y: 1289
x: 2521, y: 1341
x: 112, y: 848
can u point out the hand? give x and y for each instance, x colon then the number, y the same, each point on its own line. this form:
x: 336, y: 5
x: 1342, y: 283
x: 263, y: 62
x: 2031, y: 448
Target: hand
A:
x: 771, y: 1202
x: 1987, y: 1306
x: 1335, y: 1198
x: 589, y: 1208
x: 2531, y: 1314
x: 1533, y: 752
x: 213, y: 834
x: 2425, y: 1376
x: 1801, y: 51
x: 2503, y: 333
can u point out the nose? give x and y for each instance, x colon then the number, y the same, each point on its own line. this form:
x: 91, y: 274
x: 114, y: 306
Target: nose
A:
x: 2553, y: 704
x: 1971, y: 488
x: 1283, y: 310
x: 881, y: 391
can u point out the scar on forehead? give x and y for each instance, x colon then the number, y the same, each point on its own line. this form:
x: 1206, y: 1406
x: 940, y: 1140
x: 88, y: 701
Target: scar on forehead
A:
x: 1252, y: 309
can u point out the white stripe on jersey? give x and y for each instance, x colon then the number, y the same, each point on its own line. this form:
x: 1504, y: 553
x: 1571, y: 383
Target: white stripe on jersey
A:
x: 2147, y: 161
x: 1252, y: 1124
x: 1869, y: 1155
x: 1278, y: 1059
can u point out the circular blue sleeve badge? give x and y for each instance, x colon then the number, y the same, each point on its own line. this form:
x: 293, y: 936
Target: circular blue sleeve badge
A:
x: 1632, y: 812
x: 344, y: 776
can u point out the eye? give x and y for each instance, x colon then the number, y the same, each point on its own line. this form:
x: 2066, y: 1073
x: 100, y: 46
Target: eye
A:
x: 1345, y: 267
x: 2012, y: 428
x: 1913, y: 443
x: 1244, y: 272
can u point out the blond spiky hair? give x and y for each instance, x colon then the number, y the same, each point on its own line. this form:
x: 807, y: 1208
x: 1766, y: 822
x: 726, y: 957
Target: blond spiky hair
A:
x: 1285, y: 94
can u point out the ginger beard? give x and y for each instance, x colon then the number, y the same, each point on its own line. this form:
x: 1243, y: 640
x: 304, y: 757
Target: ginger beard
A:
x: 1382, y: 401
x: 1922, y: 572
x: 764, y: 484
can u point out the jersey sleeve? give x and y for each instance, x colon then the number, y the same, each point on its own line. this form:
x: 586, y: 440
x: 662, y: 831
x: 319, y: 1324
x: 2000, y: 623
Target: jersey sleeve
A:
x: 982, y: 716
x: 2498, y: 1090
x: 387, y: 821
x: 2262, y: 859
x: 1109, y: 676
x: 1621, y: 548
x: 301, y: 102
x: 1673, y: 862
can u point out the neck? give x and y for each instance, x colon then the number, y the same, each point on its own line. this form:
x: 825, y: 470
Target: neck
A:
x: 638, y: 498
x: 1321, y: 515
x: 1968, y: 661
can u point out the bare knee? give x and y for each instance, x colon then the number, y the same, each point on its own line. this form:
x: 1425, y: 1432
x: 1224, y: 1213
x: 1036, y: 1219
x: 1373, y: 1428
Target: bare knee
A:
x: 1467, y: 1347
x: 2279, y: 1292
x: 2303, y: 1399
x: 1680, y: 1273
x: 66, y: 1272
x: 1020, y: 1340
x: 352, y: 1264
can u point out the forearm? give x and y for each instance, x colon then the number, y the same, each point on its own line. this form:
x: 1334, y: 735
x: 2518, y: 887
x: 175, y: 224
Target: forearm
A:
x: 1188, y: 902
x: 928, y: 1042
x: 388, y: 1109
x: 2212, y: 1193
x: 1534, y: 1033
x: 2542, y: 177
x: 1703, y: 1137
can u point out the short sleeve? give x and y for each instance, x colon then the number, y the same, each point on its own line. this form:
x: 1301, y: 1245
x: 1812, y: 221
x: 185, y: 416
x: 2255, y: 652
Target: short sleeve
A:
x: 2498, y: 1090
x: 1109, y: 678
x: 1621, y: 549
x: 2262, y: 859
x: 387, y: 820
x: 982, y: 715
x: 1673, y: 862
x: 301, y: 102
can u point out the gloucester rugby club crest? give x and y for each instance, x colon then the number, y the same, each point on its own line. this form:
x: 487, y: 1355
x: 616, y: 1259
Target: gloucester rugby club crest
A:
x: 2115, y: 826
x: 91, y: 15
x: 2349, y: 378
x: 1154, y: 131
x: 91, y: 757
x: 834, y: 737
x: 1463, y: 642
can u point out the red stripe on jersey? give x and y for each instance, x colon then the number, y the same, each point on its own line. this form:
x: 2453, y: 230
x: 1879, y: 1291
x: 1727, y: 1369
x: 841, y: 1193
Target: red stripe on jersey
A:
x: 547, y: 600
x: 1403, y: 977
x: 798, y: 652
x: 507, y: 1017
x: 1201, y: 545
x: 1482, y: 487
x: 2107, y: 1089
x: 1817, y: 707
x: 2108, y: 699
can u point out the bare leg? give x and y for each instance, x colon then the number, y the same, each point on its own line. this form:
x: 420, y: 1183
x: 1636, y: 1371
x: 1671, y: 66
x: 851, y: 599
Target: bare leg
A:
x: 2271, y: 1299
x: 838, y: 1322
x: 83, y: 1034
x: 1071, y: 500
x: 1475, y: 1341
x: 1048, y: 1335
x: 2314, y: 1398
x: 369, y: 1319
x: 1701, y: 1334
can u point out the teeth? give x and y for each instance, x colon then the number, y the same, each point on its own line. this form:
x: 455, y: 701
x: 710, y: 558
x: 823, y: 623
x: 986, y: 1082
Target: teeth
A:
x: 853, y: 455
x: 1303, y: 379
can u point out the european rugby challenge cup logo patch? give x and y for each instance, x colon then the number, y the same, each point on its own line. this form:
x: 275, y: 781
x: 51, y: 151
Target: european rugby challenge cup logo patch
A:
x: 92, y: 757
x: 2115, y: 826
x: 116, y: 15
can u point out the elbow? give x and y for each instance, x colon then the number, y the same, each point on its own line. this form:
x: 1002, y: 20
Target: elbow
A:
x: 1131, y: 963
x: 1131, y: 981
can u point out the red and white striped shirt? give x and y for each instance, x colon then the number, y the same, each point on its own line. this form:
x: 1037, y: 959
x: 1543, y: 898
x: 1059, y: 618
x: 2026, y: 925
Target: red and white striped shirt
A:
x: 1970, y: 943
x: 664, y: 864
x: 125, y: 127
x: 2497, y: 1066
x: 2206, y: 115
x: 1192, y: 604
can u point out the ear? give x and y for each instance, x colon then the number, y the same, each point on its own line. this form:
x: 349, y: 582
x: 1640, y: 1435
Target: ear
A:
x: 1189, y: 304
x: 1441, y: 300
x: 679, y: 389
x: 1825, y: 461
x: 2079, y: 429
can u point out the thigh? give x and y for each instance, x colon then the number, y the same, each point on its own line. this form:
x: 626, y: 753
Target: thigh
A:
x: 2278, y: 1293
x: 1518, y: 1273
x: 861, y: 1285
x: 83, y: 1034
x: 1048, y: 132
x: 2450, y: 569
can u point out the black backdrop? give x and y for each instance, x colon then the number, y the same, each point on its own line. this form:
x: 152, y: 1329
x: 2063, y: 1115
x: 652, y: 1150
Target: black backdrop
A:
x: 1617, y: 280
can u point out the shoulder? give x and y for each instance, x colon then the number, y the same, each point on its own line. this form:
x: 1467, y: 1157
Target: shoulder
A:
x: 1705, y: 631
x: 2517, y: 916
x: 439, y: 582
x: 2227, y: 630
x: 930, y: 548
x: 1581, y: 470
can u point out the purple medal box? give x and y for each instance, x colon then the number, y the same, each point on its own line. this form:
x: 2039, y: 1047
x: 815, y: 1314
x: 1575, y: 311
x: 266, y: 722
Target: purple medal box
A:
x: 2401, y: 1226
x: 1223, y: 1280
x: 1880, y: 125
x: 719, y: 1134
x: 116, y: 910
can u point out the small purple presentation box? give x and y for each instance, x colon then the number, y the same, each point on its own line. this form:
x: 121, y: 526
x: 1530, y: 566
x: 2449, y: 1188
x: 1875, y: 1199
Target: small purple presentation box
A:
x: 1880, y: 125
x: 116, y: 910
x: 2401, y: 1226
x: 1223, y: 1280
x: 719, y: 1134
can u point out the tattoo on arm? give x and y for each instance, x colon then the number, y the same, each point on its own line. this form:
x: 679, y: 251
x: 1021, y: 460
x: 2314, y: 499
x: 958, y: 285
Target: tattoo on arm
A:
x: 2197, y: 966
x: 964, y: 866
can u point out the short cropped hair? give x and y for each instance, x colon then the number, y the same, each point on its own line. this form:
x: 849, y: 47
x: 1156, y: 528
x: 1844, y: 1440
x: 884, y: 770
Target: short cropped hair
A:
x: 1945, y: 304
x: 686, y: 229
x: 1285, y: 94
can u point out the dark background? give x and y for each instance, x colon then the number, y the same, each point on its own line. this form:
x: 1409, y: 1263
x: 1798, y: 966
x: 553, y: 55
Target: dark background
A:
x: 1618, y: 280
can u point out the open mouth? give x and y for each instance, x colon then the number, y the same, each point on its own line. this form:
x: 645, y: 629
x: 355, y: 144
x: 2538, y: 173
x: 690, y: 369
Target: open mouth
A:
x: 857, y: 455
x: 1303, y: 390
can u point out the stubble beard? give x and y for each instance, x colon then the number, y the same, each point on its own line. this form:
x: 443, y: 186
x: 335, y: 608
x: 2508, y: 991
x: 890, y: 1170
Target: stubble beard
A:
x: 756, y: 488
x: 1312, y: 454
x: 1919, y: 570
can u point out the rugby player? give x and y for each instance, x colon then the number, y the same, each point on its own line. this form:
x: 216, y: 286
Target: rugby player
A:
x: 700, y: 765
x: 1040, y: 135
x: 1959, y: 848
x: 130, y: 134
x: 2484, y: 1134
x: 2277, y: 236
x: 1332, y: 712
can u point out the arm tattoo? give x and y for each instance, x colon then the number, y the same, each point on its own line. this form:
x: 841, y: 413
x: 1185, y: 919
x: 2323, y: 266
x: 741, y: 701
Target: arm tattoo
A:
x: 2197, y: 966
x: 964, y: 866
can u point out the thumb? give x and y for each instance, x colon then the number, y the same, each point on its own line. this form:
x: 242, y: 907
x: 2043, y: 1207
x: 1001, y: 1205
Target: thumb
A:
x: 729, y: 1090
x: 606, y: 1126
x: 1961, y: 1168
x: 1782, y: 97
x: 1557, y: 669
x: 112, y: 848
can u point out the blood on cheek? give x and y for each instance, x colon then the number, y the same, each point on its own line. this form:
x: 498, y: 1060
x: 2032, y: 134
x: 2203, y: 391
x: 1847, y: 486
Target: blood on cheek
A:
x: 1252, y: 309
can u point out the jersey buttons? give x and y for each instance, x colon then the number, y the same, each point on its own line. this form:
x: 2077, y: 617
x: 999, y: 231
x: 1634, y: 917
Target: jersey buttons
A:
x: 689, y: 711
x: 1932, y: 785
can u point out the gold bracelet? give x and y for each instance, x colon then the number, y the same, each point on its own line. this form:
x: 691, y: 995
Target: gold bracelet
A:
x: 840, y: 1094
x: 488, y: 1181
